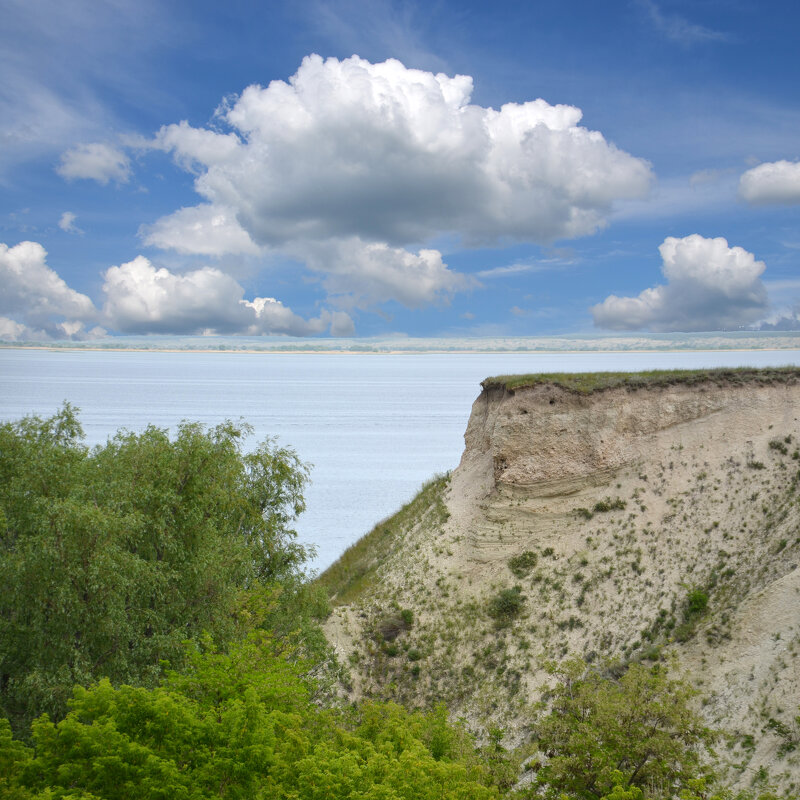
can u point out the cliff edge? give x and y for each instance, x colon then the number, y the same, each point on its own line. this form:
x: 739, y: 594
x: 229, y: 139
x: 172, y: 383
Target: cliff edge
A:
x: 617, y: 518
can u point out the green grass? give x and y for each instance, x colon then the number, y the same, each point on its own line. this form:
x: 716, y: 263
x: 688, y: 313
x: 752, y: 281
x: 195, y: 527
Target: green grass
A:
x: 354, y: 571
x: 590, y: 382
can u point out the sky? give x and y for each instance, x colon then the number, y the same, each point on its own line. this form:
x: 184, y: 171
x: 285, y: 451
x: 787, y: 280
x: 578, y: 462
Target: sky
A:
x: 389, y: 168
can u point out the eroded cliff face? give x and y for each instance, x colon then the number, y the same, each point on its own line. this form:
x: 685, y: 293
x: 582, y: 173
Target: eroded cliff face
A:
x: 621, y: 502
x: 544, y: 433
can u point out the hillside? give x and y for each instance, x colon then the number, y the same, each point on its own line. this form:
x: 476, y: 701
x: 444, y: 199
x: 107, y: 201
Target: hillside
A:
x: 614, y: 517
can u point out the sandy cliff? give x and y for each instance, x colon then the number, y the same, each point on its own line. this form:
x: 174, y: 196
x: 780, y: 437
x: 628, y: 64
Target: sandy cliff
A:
x: 606, y: 509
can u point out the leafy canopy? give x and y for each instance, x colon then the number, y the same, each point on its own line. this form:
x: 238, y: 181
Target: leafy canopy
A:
x: 635, y: 732
x: 238, y: 725
x: 110, y: 558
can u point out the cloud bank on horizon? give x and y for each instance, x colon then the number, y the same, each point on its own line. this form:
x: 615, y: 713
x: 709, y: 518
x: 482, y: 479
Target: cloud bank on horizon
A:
x: 140, y: 299
x: 364, y: 189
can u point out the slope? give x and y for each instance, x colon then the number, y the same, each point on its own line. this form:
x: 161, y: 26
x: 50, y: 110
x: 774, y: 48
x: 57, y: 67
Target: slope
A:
x: 613, y: 517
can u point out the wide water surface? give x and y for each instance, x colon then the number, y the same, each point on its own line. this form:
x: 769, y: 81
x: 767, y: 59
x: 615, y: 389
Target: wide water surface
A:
x: 374, y: 427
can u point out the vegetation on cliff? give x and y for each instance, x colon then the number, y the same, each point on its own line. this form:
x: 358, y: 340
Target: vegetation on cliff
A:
x: 591, y: 382
x: 685, y: 548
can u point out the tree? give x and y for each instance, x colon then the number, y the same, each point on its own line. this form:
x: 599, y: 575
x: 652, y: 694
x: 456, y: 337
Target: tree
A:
x: 111, y: 558
x: 637, y: 731
x: 238, y: 724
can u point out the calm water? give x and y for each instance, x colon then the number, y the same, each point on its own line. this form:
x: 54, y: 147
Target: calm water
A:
x: 374, y: 427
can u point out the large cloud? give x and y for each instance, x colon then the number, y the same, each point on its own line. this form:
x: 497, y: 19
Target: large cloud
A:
x: 143, y: 299
x: 710, y: 286
x: 97, y: 161
x: 390, y: 157
x: 40, y: 300
x: 774, y: 183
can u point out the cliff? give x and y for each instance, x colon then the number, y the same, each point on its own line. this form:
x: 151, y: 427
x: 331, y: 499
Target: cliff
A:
x: 595, y: 508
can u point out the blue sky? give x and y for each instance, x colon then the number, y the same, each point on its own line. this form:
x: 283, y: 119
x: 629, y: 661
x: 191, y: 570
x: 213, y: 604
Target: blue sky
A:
x: 376, y: 168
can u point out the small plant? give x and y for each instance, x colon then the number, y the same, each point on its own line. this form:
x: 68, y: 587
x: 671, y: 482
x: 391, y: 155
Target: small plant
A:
x: 756, y: 464
x: 696, y: 602
x: 617, y: 504
x: 506, y: 605
x: 777, y: 444
x: 584, y: 512
x: 522, y: 564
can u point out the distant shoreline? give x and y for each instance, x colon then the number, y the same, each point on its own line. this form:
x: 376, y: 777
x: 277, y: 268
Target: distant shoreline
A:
x: 410, y: 351
x: 576, y: 343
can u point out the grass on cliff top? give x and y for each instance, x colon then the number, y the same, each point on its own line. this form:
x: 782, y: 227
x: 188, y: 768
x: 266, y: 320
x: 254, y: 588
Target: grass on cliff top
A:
x: 590, y: 382
x: 355, y: 570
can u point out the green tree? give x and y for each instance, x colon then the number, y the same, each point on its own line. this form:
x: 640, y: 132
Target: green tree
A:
x: 638, y: 731
x: 239, y: 725
x: 111, y: 558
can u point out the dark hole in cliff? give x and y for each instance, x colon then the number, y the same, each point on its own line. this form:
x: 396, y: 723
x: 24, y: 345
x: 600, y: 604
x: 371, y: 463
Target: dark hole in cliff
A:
x: 552, y: 402
x: 392, y: 626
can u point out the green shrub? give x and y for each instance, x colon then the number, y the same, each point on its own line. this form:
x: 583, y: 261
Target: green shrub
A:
x: 522, y: 564
x: 777, y: 444
x: 506, y: 605
x: 617, y: 504
x: 696, y: 602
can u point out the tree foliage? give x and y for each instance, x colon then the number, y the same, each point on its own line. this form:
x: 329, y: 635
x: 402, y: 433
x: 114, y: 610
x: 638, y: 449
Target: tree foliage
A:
x: 238, y: 725
x: 110, y: 558
x: 635, y: 732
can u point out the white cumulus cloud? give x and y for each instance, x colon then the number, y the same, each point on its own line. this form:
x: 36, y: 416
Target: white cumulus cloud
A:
x: 389, y: 157
x: 97, y: 161
x: 37, y: 304
x: 773, y: 183
x: 143, y: 299
x: 205, y: 230
x: 34, y: 296
x: 362, y: 274
x: 710, y: 286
